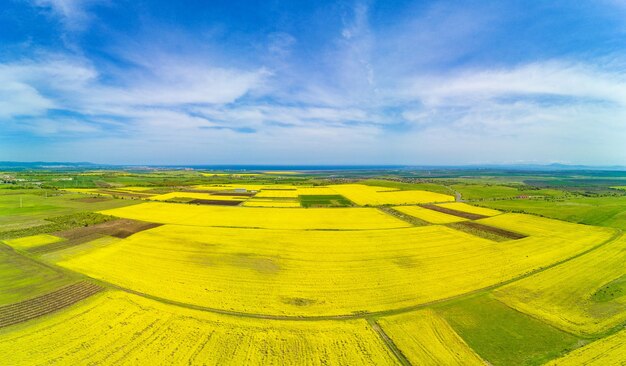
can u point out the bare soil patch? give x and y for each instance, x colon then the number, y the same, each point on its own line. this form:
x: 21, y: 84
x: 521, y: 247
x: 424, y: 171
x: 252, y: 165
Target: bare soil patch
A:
x: 121, y: 228
x: 298, y: 301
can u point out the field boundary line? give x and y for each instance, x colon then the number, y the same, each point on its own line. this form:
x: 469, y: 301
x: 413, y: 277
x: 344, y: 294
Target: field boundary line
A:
x: 388, y: 342
x: 413, y: 221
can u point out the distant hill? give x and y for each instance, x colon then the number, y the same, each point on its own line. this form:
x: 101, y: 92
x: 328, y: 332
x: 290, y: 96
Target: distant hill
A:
x: 41, y: 165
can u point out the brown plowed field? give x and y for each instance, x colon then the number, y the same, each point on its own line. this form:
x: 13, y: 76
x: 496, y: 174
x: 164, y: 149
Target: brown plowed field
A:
x: 449, y: 211
x: 121, y: 228
x: 490, y: 229
x: 46, y: 304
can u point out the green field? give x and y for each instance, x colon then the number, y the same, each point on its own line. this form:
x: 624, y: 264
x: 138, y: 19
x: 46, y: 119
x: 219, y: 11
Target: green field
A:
x: 21, y: 209
x: 602, y: 211
x: 504, y: 336
x: 334, y: 200
x: 420, y: 185
x: 22, y: 278
x: 492, y: 191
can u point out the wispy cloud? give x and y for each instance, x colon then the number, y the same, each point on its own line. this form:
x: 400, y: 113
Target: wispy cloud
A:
x: 547, y: 78
x: 74, y: 14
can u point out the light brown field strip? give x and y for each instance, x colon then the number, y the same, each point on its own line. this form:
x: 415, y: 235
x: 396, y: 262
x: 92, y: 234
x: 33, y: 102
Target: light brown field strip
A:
x: 216, y: 202
x: 449, y: 211
x: 46, y: 304
x: 121, y: 228
x: 476, y: 228
x: 234, y: 194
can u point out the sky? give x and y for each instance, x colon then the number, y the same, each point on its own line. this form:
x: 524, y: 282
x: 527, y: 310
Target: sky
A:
x: 313, y: 82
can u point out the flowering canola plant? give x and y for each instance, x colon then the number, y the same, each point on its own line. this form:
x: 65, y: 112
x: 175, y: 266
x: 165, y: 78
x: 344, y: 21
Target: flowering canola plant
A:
x: 313, y: 272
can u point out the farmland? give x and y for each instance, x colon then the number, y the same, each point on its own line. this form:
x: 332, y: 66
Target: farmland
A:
x: 124, y: 329
x: 602, y: 210
x: 606, y: 351
x: 430, y: 216
x: 551, y: 294
x: 372, y: 195
x: 259, y: 268
x: 23, y: 278
x: 427, y: 339
x: 267, y: 218
x: 282, y: 272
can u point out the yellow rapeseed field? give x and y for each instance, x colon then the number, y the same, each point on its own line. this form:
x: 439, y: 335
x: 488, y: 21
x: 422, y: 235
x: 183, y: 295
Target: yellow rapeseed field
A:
x: 319, y: 190
x: 196, y: 195
x: 76, y: 250
x: 431, y: 216
x: 246, y: 186
x: 270, y: 203
x: 278, y: 193
x: 33, y: 241
x: 307, y: 273
x: 460, y: 206
x: 116, y: 328
x: 606, y: 351
x: 540, y: 226
x: 564, y: 295
x: 275, y: 218
x: 425, y: 339
x: 370, y: 195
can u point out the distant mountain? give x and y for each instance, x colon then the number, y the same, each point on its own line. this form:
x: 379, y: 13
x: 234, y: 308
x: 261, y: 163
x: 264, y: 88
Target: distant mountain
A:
x: 553, y: 167
x: 40, y: 165
x: 36, y: 165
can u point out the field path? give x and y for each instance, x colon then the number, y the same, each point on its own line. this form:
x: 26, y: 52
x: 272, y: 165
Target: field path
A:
x: 388, y: 342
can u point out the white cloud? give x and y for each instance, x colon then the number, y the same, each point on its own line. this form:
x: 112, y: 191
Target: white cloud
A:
x: 184, y: 84
x: 77, y: 83
x: 552, y: 78
x: 20, y: 99
x: 73, y: 13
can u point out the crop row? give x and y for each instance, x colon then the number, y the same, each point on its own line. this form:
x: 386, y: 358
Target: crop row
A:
x: 45, y: 304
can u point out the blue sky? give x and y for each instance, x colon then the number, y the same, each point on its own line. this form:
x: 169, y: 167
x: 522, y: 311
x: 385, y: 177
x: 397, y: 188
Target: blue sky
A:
x: 313, y: 82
